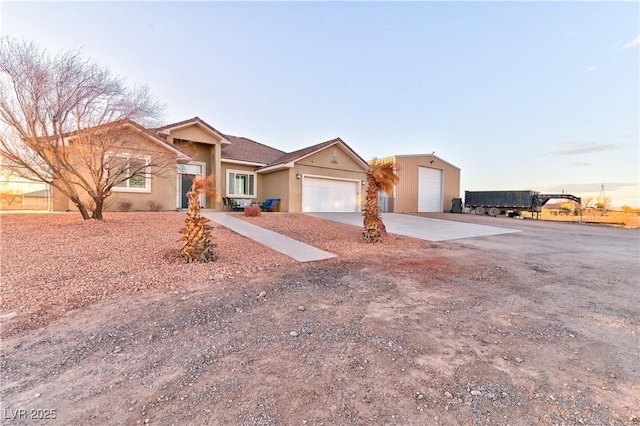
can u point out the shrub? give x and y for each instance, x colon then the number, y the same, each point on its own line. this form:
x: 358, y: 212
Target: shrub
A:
x: 124, y: 205
x: 155, y: 206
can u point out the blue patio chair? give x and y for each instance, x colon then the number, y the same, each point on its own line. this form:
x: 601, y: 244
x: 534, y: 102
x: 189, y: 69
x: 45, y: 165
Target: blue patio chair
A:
x: 271, y: 205
x: 265, y: 206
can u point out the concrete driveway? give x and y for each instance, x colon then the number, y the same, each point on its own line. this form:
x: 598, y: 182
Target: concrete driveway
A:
x: 421, y: 227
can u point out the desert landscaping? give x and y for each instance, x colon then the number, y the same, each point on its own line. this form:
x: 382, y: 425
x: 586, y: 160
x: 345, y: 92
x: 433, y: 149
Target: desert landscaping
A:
x: 103, y: 324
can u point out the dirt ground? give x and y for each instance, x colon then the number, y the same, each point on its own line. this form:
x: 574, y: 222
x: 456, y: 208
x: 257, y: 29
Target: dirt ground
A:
x: 536, y: 327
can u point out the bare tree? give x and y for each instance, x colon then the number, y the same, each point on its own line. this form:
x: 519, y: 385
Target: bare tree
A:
x: 69, y: 123
x: 9, y: 196
x: 603, y: 203
x: 588, y: 202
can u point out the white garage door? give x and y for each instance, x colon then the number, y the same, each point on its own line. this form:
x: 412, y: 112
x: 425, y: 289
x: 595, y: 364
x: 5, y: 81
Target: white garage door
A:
x: 329, y: 195
x: 429, y: 190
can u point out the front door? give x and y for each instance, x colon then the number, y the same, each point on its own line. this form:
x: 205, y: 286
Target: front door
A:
x: 186, y: 181
x: 187, y: 173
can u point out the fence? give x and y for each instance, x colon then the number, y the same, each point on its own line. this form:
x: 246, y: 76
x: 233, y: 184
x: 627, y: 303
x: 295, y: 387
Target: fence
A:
x: 18, y: 195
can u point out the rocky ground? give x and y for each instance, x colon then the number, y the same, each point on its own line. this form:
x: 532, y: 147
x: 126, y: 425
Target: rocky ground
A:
x: 103, y: 325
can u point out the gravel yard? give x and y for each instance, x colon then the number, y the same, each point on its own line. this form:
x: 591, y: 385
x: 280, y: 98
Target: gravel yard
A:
x: 53, y: 263
x: 103, y: 324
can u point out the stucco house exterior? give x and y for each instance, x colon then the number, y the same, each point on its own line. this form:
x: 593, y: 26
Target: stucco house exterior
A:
x: 427, y: 184
x: 328, y: 176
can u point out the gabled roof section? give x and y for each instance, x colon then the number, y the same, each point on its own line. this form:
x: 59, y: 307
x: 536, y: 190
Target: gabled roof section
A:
x: 149, y: 135
x: 247, y: 150
x: 36, y: 194
x: 393, y: 158
x: 141, y: 130
x: 289, y: 159
x: 190, y: 122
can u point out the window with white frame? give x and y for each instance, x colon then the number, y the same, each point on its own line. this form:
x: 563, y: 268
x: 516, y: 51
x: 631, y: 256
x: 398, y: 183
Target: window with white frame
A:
x: 241, y: 184
x: 135, y: 170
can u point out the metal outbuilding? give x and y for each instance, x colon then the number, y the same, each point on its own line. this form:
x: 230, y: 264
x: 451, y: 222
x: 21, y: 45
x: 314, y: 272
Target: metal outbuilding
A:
x: 427, y: 184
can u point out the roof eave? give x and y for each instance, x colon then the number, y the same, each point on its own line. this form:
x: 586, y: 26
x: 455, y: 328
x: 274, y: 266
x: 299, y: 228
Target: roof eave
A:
x: 348, y: 150
x: 183, y: 158
x: 276, y: 167
x: 178, y: 153
x: 199, y: 123
x: 246, y: 163
x: 420, y: 155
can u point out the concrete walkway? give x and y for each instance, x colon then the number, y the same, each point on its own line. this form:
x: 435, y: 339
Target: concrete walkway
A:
x: 288, y: 246
x: 412, y: 226
x: 421, y: 227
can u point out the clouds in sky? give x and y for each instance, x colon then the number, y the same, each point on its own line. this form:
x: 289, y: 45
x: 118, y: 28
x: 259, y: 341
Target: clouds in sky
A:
x: 584, y: 148
x: 586, y: 188
x: 632, y: 43
x: 579, y: 164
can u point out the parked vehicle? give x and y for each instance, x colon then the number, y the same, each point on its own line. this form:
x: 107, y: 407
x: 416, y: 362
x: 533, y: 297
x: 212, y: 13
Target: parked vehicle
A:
x: 510, y: 203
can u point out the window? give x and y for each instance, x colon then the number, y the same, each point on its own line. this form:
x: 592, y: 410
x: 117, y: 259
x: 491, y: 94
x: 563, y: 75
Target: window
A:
x: 241, y: 184
x: 191, y: 169
x: 136, y: 170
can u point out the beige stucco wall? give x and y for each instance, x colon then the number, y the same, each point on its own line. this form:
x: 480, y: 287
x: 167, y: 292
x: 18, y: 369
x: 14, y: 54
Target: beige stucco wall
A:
x: 162, y: 182
x: 406, y: 192
x: 194, y: 133
x: 163, y: 192
x: 202, y: 147
x: 277, y: 185
x: 59, y: 203
x: 198, y: 152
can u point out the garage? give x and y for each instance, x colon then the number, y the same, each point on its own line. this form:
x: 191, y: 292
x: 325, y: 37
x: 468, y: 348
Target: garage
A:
x: 330, y: 195
x: 429, y: 190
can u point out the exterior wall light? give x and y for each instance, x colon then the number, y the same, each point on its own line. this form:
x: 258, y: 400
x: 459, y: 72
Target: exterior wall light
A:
x: 362, y: 182
x: 298, y: 176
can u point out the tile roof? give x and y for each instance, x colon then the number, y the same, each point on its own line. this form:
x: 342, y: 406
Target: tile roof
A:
x: 243, y: 149
x: 238, y: 149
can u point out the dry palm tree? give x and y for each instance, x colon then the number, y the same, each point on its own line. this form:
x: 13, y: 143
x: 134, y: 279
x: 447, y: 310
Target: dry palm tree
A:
x: 197, y: 245
x: 381, y: 177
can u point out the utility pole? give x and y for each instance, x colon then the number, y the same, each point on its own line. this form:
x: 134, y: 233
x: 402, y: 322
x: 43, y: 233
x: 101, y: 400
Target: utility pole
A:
x: 602, y: 199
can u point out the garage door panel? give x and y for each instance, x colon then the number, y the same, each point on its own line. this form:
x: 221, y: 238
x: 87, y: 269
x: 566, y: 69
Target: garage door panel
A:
x: 429, y: 190
x: 329, y: 195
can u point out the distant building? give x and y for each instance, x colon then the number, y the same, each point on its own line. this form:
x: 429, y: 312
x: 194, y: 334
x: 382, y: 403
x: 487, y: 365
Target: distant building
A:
x: 22, y: 194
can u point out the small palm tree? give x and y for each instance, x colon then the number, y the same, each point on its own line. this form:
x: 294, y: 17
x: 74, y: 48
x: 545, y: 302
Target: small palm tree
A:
x: 381, y: 177
x: 197, y: 245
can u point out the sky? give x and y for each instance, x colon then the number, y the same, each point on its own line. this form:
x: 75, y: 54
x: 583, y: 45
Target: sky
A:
x: 518, y: 95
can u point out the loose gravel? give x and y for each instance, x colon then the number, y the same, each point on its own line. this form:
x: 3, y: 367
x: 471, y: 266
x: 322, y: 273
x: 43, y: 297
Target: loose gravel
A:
x: 103, y: 324
x: 54, y: 263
